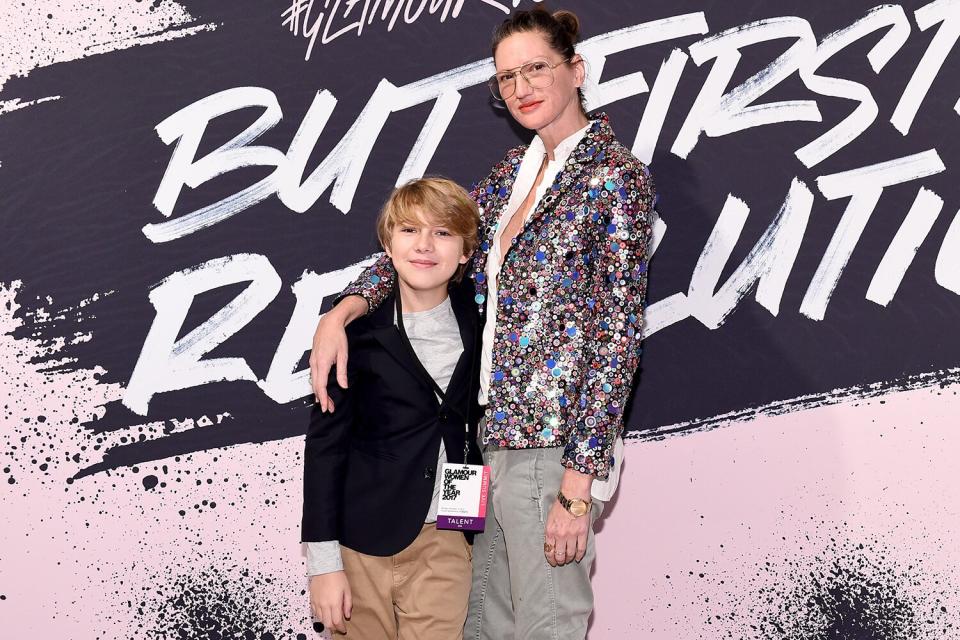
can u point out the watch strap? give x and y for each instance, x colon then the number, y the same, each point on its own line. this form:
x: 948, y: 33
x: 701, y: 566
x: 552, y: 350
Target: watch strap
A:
x: 567, y: 503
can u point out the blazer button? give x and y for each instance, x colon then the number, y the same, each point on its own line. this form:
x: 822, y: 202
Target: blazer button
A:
x: 428, y: 473
x: 443, y: 416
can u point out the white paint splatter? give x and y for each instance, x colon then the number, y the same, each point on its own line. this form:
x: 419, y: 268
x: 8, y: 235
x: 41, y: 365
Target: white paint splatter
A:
x: 8, y: 106
x: 39, y: 34
x: 109, y: 536
x: 44, y: 399
x: 48, y: 397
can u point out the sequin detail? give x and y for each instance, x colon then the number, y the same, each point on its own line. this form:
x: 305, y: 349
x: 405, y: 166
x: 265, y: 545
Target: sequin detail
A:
x: 570, y: 301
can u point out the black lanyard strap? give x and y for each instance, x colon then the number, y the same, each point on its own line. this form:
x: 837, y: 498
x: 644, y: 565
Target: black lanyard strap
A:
x: 465, y: 415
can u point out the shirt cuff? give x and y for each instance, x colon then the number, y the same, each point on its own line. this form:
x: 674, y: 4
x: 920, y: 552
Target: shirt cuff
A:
x: 323, y: 557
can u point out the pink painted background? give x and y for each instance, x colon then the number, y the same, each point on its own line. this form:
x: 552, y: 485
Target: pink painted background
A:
x: 723, y: 503
x: 713, y: 534
x: 750, y: 505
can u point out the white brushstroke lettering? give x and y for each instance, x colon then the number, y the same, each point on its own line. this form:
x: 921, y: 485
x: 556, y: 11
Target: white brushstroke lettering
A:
x: 769, y: 263
x: 297, y: 16
x: 717, y: 113
x: 902, y: 250
x: 863, y: 186
x: 850, y: 128
x: 345, y: 163
x: 597, y: 49
x: 947, y: 14
x: 282, y: 383
x: 167, y: 364
x: 655, y: 113
x: 947, y: 270
x: 186, y: 127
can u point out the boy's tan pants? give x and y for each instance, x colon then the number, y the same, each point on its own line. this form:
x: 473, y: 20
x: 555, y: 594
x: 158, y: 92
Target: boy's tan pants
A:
x: 418, y: 594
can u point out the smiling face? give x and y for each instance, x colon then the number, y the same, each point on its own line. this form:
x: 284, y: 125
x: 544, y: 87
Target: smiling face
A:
x: 554, y: 107
x: 425, y: 254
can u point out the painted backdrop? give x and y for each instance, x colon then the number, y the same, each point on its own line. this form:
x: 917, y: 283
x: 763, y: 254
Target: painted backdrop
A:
x: 185, y: 184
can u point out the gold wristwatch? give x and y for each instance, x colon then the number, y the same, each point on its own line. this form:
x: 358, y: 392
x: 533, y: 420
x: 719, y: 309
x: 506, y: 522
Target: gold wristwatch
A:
x: 575, y: 507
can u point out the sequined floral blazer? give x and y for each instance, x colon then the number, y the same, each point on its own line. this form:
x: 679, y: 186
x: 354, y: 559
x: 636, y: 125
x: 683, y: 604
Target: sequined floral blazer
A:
x: 570, y: 302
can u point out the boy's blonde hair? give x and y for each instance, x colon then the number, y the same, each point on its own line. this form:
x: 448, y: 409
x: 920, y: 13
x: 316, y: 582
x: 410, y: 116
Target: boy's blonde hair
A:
x: 442, y: 201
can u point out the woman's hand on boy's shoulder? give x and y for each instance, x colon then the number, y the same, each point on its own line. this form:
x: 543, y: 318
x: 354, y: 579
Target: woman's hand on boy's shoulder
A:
x: 330, y: 599
x: 330, y: 348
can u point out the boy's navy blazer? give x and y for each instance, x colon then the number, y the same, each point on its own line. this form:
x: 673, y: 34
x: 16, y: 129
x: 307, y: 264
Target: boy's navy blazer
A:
x: 369, y: 466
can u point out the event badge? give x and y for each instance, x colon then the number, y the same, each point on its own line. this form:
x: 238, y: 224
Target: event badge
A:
x: 463, y: 496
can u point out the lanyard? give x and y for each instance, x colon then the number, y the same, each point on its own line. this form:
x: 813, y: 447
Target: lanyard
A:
x: 433, y: 383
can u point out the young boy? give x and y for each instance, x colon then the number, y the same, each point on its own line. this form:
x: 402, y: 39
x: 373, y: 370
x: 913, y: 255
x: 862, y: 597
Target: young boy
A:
x: 379, y: 566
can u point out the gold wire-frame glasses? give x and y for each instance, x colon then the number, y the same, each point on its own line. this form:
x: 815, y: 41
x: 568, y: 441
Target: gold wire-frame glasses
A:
x: 537, y: 73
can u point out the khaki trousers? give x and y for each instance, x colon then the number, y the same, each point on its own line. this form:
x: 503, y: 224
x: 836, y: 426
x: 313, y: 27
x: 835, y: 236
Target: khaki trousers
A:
x: 418, y: 594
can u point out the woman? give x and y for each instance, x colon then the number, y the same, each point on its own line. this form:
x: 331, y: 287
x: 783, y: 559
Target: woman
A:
x: 560, y: 277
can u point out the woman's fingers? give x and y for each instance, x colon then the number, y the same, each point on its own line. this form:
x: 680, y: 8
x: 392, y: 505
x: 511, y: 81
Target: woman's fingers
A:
x: 330, y: 347
x: 329, y: 350
x: 566, y: 549
x: 571, y: 553
x: 549, y: 547
x: 318, y: 380
x: 342, y: 363
x: 561, y: 550
x: 581, y: 547
x: 319, y: 370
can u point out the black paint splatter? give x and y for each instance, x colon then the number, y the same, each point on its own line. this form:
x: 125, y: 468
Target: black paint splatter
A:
x: 848, y: 591
x: 149, y: 482
x: 214, y: 604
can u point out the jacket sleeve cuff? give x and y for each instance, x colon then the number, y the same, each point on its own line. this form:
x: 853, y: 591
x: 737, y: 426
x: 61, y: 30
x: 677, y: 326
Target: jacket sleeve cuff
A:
x: 592, y: 456
x: 374, y: 284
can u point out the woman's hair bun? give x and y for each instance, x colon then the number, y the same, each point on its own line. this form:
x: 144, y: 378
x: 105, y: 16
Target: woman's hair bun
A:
x: 561, y: 29
x: 570, y: 23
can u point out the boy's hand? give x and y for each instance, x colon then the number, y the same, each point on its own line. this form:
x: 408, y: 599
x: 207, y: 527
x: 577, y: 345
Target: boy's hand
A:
x: 330, y: 599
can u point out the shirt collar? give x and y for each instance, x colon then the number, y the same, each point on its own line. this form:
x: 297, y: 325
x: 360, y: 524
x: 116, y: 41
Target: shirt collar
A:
x: 564, y: 148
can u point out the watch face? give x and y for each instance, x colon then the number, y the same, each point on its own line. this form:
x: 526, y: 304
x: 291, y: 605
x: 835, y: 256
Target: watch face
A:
x: 578, y: 507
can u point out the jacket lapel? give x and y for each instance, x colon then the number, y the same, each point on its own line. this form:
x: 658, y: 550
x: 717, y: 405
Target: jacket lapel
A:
x: 388, y: 335
x: 591, y: 148
x: 463, y: 374
x: 493, y: 201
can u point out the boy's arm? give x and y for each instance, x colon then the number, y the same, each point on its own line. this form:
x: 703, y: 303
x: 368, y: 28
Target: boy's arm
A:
x: 331, y: 599
x: 324, y: 466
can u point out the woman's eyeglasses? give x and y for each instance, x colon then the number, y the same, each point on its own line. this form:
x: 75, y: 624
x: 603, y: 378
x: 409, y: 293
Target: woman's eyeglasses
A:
x: 537, y: 73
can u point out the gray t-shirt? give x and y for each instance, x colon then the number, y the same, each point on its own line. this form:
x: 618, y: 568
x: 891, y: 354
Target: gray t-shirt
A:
x: 435, y: 337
